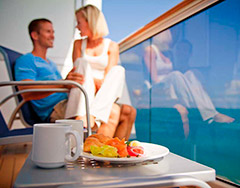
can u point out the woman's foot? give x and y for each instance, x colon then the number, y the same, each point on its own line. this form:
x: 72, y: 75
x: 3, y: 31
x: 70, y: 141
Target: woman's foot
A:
x: 221, y: 118
x: 84, y: 119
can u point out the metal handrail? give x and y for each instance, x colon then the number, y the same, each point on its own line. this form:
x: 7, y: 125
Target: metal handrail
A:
x: 62, y: 82
x: 175, y: 15
x: 13, y: 115
x: 59, y: 90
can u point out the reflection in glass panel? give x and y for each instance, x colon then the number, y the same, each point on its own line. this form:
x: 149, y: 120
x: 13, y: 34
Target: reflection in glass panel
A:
x: 138, y: 87
x: 188, y: 76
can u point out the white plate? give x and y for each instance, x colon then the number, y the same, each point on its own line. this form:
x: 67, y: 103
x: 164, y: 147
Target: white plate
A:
x: 152, y: 152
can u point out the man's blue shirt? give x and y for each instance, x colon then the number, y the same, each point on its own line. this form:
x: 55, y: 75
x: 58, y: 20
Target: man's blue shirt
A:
x: 35, y: 68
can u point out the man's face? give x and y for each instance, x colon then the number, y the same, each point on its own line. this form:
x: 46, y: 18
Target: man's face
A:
x: 45, y: 35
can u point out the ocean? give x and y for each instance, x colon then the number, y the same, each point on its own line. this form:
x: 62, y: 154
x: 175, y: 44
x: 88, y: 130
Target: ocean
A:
x: 215, y: 145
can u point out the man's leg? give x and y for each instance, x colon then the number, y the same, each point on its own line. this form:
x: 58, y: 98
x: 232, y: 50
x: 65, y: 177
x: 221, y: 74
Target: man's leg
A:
x: 126, y: 120
x: 58, y: 111
x: 108, y: 129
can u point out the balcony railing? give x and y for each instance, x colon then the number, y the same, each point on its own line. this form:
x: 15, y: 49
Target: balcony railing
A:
x: 183, y: 77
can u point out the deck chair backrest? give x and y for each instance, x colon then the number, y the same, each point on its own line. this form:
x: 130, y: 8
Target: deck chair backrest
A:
x: 3, y: 126
x: 10, y: 61
x: 27, y: 114
x: 7, y: 136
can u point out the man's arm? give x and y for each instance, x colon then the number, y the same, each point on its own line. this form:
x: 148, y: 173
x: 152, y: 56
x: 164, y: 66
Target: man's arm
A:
x: 36, y: 96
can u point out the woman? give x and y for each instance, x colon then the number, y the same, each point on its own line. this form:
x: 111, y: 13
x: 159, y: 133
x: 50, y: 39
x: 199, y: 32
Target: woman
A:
x: 96, y: 58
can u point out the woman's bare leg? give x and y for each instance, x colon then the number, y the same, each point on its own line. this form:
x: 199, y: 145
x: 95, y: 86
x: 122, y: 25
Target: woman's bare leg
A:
x: 184, y: 117
x: 108, y: 129
x: 127, y: 118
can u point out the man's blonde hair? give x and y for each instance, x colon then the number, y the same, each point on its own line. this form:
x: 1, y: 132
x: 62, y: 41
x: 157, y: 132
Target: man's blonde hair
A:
x: 95, y: 19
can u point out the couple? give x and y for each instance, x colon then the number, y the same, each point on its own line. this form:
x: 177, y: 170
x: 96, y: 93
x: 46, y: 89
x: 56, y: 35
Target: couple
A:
x: 95, y: 67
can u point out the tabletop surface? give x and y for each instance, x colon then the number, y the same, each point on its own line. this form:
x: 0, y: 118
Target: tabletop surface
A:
x: 87, y: 173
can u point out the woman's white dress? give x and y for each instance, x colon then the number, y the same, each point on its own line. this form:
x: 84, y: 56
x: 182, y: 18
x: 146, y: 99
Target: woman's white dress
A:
x: 94, y: 67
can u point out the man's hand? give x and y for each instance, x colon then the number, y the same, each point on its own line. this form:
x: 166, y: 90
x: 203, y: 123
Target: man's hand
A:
x: 74, y: 76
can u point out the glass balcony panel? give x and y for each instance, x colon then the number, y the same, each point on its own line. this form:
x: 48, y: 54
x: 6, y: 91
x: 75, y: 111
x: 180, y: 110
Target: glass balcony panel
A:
x: 185, y: 84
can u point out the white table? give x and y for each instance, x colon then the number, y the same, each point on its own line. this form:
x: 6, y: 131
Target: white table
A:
x: 172, y: 170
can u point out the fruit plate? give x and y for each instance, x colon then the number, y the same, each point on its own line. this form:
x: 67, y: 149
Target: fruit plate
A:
x: 151, y: 152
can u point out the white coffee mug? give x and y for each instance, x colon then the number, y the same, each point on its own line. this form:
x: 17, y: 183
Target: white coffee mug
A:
x: 77, y: 125
x: 50, y: 146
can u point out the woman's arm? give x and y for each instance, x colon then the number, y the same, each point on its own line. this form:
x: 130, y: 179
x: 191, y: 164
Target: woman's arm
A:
x: 150, y: 56
x: 113, y: 56
x: 76, y: 50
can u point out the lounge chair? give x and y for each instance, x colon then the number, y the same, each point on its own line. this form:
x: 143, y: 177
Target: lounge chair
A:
x: 26, y: 113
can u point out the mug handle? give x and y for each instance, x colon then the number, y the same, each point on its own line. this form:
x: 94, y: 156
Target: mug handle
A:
x: 78, y: 139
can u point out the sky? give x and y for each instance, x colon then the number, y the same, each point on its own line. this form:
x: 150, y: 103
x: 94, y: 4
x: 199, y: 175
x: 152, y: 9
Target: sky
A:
x: 126, y: 16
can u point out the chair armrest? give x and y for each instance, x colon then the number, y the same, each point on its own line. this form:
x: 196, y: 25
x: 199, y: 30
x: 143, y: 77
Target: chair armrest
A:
x: 58, y: 90
x: 62, y: 82
x: 16, y: 110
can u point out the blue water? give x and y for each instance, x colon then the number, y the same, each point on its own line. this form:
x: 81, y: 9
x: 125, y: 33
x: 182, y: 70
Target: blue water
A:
x: 215, y: 145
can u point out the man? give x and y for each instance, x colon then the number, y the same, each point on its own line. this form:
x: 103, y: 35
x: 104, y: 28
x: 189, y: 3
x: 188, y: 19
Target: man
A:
x: 36, y: 66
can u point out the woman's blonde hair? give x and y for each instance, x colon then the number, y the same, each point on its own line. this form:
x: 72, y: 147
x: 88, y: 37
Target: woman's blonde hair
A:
x: 95, y: 19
